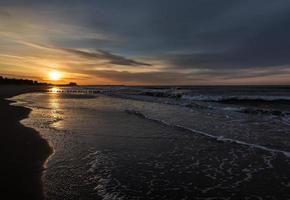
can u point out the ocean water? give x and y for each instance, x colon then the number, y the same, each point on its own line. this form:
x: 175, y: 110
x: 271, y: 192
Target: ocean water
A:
x: 164, y: 142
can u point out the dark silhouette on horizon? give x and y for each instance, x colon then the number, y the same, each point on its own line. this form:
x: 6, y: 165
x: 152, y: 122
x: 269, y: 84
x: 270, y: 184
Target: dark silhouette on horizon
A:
x: 14, y: 81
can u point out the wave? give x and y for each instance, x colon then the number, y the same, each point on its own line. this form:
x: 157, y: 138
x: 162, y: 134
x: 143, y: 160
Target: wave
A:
x: 234, y: 99
x: 248, y: 104
x: 185, y: 97
x: 264, y: 111
x: 257, y: 111
x: 242, y: 105
x: 186, y: 94
x: 217, y: 138
x: 168, y: 94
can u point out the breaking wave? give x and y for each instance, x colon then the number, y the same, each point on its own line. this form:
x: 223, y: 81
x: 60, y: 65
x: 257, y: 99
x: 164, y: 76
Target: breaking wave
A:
x: 217, y: 138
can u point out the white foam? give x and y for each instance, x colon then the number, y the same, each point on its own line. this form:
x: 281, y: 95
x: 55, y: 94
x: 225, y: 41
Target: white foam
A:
x: 240, y: 97
x: 218, y: 138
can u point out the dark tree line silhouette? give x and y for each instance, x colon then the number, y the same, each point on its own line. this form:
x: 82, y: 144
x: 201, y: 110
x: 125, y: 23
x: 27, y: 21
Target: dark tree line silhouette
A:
x: 14, y: 81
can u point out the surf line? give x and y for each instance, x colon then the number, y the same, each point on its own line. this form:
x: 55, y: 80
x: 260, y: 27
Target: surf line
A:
x: 217, y: 138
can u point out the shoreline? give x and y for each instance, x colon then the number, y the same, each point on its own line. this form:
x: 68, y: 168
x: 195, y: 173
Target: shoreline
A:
x: 23, y: 151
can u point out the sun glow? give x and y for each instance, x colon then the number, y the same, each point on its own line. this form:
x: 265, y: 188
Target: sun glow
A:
x: 55, y: 76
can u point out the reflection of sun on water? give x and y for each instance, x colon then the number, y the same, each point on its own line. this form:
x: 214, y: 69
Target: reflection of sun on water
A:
x: 55, y: 106
x: 54, y: 90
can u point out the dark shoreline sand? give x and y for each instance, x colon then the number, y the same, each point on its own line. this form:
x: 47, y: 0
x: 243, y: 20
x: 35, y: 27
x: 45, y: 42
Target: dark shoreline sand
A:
x: 23, y: 151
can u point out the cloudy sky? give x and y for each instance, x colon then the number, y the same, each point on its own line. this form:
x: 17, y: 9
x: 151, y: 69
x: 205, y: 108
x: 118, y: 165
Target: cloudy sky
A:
x: 150, y: 42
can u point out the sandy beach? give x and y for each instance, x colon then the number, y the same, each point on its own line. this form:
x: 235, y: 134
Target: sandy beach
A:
x: 22, y: 150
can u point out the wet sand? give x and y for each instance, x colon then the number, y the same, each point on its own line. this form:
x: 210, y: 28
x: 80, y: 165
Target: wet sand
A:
x: 102, y: 151
x: 22, y: 150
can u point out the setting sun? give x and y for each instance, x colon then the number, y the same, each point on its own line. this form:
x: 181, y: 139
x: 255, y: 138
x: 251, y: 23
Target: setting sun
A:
x: 54, y: 76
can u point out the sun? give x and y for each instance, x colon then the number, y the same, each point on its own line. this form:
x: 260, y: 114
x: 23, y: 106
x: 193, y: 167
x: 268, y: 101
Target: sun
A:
x: 55, y: 75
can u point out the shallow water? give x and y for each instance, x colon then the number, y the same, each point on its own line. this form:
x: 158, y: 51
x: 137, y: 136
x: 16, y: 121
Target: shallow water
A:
x: 116, y: 148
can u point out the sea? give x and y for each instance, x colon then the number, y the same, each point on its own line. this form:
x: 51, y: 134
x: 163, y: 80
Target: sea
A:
x: 164, y: 142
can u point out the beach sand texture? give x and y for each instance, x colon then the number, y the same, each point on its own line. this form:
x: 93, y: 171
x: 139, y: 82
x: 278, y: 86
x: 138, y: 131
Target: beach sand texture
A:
x: 22, y: 150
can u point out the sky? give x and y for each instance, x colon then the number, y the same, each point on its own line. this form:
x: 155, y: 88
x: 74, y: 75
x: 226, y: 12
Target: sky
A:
x: 147, y: 42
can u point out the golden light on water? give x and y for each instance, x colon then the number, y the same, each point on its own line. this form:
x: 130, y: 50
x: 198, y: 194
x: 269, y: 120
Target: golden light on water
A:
x: 55, y: 76
x: 54, y: 90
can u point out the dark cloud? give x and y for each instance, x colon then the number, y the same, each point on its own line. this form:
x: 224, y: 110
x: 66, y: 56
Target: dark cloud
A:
x: 231, y: 74
x: 120, y: 60
x: 104, y: 55
x: 242, y: 58
x: 222, y: 34
x: 266, y: 45
x: 182, y: 78
x: 4, y: 13
x: 222, y: 39
x: 99, y: 55
x: 145, y: 77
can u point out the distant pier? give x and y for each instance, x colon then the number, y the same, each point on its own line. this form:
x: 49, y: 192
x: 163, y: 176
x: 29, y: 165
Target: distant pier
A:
x: 74, y: 91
